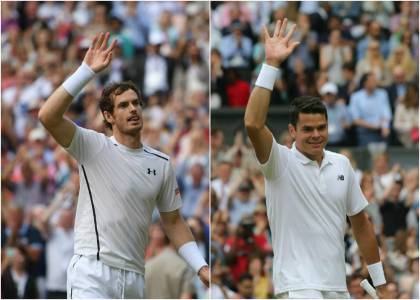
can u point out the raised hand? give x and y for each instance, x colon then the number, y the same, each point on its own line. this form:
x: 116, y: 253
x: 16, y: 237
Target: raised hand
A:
x: 98, y: 55
x: 279, y: 47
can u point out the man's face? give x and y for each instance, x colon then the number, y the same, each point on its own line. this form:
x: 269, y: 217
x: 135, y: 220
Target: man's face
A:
x: 370, y: 83
x: 127, y: 115
x: 245, y: 288
x: 311, y: 134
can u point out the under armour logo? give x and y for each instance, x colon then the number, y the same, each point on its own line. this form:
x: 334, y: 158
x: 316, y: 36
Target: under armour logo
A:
x: 340, y: 177
x: 150, y: 171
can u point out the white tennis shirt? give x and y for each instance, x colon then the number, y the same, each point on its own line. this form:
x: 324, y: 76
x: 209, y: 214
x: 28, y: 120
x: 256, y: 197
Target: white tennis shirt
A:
x: 307, y: 207
x: 119, y: 188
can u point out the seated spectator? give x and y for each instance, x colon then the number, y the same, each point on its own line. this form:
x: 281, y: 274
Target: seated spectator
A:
x: 339, y: 119
x: 398, y: 88
x: 243, y: 203
x: 308, y: 44
x: 349, y: 85
x: 237, y: 89
x: 16, y: 282
x: 407, y: 116
x: 168, y: 276
x: 370, y: 112
x: 333, y: 56
x: 374, y: 62
x: 373, y: 34
x: 262, y: 287
x: 236, y: 49
x: 192, y: 183
x: 245, y: 287
x: 401, y: 57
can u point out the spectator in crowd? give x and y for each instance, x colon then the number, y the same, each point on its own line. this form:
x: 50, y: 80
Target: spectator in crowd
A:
x: 245, y: 287
x: 398, y: 88
x: 339, y: 119
x: 394, y: 210
x: 192, y: 183
x: 407, y: 116
x: 353, y: 285
x: 371, y: 112
x: 401, y: 57
x: 236, y: 48
x: 222, y: 184
x: 373, y: 62
x: 349, y: 85
x: 16, y: 281
x: 374, y: 33
x: 168, y: 275
x: 333, y: 56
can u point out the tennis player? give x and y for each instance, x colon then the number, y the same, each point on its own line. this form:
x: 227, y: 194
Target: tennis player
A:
x: 121, y: 181
x: 309, y: 191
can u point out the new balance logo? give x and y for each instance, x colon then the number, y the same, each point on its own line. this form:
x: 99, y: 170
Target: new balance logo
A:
x: 340, y: 177
x: 150, y: 171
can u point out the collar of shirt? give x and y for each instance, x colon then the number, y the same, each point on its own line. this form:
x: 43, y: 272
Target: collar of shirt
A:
x: 138, y: 150
x: 305, y: 160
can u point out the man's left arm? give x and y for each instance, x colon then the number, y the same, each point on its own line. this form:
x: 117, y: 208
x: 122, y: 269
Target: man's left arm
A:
x: 181, y: 237
x: 366, y: 240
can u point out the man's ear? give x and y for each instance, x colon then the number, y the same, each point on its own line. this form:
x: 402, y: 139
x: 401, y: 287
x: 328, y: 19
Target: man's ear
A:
x: 108, y: 117
x: 292, y: 131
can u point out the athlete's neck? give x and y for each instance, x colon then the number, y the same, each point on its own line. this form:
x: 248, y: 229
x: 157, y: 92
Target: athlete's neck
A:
x: 128, y: 140
x: 317, y: 158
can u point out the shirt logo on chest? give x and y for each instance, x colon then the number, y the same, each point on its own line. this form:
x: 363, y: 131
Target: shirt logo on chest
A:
x: 340, y: 177
x: 151, y: 171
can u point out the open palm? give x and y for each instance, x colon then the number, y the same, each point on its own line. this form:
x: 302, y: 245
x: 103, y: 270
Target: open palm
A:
x: 278, y: 47
x: 98, y: 55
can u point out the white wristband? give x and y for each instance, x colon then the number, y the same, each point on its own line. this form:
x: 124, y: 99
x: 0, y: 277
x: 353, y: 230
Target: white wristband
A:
x: 75, y: 83
x: 376, y: 272
x: 267, y: 77
x: 190, y: 252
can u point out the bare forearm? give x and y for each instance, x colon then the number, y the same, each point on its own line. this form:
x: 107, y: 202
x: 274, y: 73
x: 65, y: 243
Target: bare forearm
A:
x: 363, y: 123
x: 366, y: 240
x: 178, y: 232
x: 53, y: 110
x: 257, y: 108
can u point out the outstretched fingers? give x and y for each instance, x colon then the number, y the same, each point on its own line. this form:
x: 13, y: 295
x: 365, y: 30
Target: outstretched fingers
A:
x: 266, y: 34
x: 94, y: 42
x: 290, y: 33
x: 99, y: 41
x: 104, y: 41
x: 283, y: 27
x: 277, y: 29
x: 112, y: 46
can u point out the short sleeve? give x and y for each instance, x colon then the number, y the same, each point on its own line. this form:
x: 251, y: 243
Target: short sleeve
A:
x: 356, y: 201
x: 169, y: 198
x: 277, y: 161
x: 86, y: 144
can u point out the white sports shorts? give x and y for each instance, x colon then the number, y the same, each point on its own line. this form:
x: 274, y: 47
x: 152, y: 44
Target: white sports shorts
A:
x: 89, y: 278
x: 313, y: 294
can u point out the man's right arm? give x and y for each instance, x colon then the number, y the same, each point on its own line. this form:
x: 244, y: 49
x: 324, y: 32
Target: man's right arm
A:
x: 52, y: 112
x: 52, y: 117
x: 277, y: 49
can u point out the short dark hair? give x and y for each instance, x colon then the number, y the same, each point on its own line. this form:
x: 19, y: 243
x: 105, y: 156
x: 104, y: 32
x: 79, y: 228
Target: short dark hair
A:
x: 306, y: 105
x: 106, y: 103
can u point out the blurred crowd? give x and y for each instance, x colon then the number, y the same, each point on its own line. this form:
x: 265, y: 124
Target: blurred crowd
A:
x: 361, y: 58
x: 163, y: 47
x: 349, y: 52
